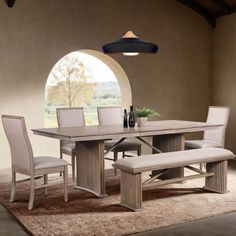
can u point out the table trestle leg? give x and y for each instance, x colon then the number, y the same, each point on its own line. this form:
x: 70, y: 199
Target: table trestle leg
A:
x: 169, y: 143
x: 90, y: 167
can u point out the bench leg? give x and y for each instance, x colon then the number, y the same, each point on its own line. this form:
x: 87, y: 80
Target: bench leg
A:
x: 218, y: 182
x: 131, y: 191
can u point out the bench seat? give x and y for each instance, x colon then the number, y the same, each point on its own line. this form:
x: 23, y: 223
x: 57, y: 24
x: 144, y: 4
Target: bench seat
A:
x: 172, y: 159
x: 132, y: 168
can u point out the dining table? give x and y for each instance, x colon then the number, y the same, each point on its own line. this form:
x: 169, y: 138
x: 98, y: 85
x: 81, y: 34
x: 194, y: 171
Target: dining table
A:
x: 167, y: 136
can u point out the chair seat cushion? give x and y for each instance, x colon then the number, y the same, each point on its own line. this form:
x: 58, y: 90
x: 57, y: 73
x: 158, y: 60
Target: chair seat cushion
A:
x: 44, y: 162
x: 126, y: 145
x: 172, y: 159
x: 68, y: 148
x: 192, y: 144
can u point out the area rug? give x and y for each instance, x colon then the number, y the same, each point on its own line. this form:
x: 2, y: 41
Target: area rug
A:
x: 87, y: 215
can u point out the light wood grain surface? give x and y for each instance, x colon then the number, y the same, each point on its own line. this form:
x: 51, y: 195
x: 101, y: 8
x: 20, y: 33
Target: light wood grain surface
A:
x: 167, y: 134
x: 117, y: 131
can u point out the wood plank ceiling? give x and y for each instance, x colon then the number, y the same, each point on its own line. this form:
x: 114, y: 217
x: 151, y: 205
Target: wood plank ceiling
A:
x: 211, y: 9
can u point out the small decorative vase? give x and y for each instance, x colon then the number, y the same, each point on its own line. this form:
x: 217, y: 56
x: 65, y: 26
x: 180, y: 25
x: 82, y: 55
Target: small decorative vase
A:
x: 141, y: 121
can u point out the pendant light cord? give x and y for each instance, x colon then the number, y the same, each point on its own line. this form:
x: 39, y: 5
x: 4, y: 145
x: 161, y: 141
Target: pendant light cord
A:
x: 130, y: 15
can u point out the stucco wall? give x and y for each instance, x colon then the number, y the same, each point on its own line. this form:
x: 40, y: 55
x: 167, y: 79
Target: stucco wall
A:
x: 35, y: 34
x: 224, y: 72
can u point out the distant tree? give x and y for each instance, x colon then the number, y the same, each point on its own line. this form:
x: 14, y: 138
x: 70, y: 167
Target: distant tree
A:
x: 69, y: 83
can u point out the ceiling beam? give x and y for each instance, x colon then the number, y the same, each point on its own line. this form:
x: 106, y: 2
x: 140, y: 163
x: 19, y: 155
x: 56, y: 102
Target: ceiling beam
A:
x: 223, y: 5
x: 9, y: 3
x: 201, y: 11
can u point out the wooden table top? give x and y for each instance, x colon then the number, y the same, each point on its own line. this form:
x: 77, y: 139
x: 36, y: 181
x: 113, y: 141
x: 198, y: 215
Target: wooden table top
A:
x: 83, y: 133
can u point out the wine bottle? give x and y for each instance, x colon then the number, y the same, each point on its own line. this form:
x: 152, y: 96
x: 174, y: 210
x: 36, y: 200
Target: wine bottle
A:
x: 125, y: 119
x: 131, y: 117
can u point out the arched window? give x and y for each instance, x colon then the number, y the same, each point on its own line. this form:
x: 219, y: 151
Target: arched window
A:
x: 84, y: 79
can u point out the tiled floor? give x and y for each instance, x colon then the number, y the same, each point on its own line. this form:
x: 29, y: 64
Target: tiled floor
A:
x: 221, y: 225
x: 9, y: 225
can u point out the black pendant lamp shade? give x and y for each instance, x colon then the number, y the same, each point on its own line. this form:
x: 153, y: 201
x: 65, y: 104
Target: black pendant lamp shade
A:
x: 10, y: 3
x: 130, y: 45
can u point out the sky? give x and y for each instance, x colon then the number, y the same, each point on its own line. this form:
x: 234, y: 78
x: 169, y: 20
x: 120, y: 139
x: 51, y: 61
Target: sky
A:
x: 100, y: 72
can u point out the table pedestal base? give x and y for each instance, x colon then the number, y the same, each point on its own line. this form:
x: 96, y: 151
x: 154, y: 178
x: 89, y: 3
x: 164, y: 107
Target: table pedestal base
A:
x: 169, y: 143
x: 90, y: 167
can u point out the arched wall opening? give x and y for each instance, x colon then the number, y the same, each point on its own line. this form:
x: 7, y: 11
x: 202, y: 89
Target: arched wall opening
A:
x: 86, y: 78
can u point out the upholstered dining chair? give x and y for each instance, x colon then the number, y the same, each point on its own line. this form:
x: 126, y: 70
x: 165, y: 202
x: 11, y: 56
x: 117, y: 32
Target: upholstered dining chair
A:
x: 112, y: 115
x: 24, y: 162
x: 212, y: 137
x: 69, y: 117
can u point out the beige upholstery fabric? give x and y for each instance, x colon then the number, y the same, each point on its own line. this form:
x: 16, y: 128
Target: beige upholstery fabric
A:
x: 70, y: 117
x: 212, y: 137
x: 44, y: 162
x: 23, y: 161
x: 21, y: 150
x: 172, y: 159
x: 217, y: 115
x: 109, y: 115
x: 113, y: 116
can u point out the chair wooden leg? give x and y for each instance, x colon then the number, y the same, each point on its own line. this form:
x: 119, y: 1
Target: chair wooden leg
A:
x: 61, y: 157
x: 45, y: 180
x: 13, y: 186
x: 131, y: 190
x: 32, y: 190
x: 139, y: 151
x: 115, y: 159
x: 123, y: 154
x: 201, y: 166
x: 73, y: 157
x: 65, y: 178
x: 218, y: 182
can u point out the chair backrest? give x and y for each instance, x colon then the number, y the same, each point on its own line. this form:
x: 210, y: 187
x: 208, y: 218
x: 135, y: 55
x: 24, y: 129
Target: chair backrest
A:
x: 21, y: 150
x: 109, y: 115
x: 217, y: 115
x: 69, y: 117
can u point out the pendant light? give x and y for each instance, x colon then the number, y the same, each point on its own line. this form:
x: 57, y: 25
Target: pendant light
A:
x: 10, y: 3
x: 130, y: 45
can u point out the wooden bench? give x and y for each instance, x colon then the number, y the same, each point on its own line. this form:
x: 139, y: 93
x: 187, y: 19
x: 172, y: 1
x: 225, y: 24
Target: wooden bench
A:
x: 131, y: 171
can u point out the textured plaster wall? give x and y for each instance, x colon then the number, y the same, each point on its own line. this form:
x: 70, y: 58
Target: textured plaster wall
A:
x: 224, y: 72
x: 35, y: 34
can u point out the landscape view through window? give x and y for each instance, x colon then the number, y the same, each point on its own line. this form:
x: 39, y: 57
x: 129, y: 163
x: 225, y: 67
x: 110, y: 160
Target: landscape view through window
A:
x: 80, y: 80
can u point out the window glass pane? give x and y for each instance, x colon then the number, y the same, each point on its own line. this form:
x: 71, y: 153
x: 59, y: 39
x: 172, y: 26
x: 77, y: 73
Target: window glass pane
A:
x: 80, y: 80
